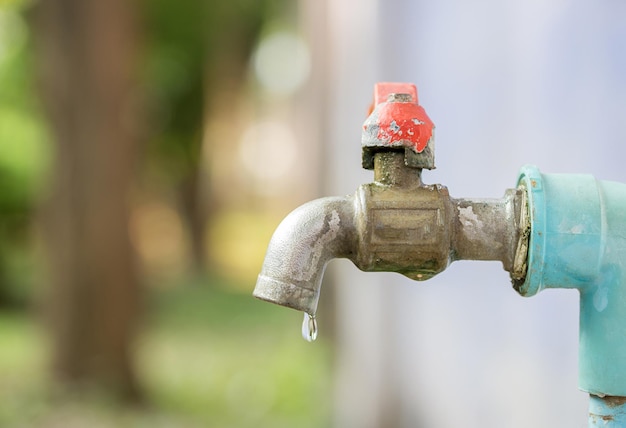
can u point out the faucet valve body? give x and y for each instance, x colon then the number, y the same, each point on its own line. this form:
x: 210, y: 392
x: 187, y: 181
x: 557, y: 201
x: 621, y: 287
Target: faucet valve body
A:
x: 403, y: 226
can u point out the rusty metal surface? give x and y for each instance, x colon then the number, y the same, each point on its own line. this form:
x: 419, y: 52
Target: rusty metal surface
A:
x: 607, y: 411
x: 487, y: 229
x: 395, y: 224
x: 520, y: 261
x: 405, y: 226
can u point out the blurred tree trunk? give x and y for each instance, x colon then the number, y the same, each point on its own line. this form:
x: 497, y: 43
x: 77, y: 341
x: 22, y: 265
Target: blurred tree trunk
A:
x: 210, y: 42
x: 194, y: 212
x: 86, y: 59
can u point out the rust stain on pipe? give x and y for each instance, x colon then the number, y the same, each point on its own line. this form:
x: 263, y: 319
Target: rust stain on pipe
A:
x: 614, y: 401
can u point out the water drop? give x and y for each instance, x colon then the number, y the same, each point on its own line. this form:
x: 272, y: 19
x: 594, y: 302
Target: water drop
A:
x: 309, y: 328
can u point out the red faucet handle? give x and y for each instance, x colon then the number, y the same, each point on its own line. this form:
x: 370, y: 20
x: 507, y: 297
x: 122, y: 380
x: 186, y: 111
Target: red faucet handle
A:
x: 382, y: 90
x: 397, y: 121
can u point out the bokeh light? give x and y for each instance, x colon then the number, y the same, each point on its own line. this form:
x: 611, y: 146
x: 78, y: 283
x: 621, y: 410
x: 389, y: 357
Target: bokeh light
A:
x: 267, y: 152
x: 282, y: 63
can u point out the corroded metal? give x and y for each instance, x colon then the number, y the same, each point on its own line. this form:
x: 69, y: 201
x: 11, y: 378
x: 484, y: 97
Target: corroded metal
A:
x: 404, y: 225
x: 488, y: 229
x: 520, y: 261
x: 607, y: 411
x: 395, y: 224
x: 301, y: 246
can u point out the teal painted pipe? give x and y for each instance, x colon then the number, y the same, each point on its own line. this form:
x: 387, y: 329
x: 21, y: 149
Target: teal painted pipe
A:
x: 607, y: 412
x: 578, y: 240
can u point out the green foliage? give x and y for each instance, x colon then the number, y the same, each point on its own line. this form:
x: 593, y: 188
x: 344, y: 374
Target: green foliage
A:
x: 209, y: 359
x: 23, y: 159
x: 192, y: 50
x: 24, y: 149
x: 24, y: 152
x: 257, y: 371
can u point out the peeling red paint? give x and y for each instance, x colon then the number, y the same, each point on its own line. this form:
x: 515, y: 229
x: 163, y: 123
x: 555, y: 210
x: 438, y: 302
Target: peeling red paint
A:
x: 406, y: 124
x: 397, y: 121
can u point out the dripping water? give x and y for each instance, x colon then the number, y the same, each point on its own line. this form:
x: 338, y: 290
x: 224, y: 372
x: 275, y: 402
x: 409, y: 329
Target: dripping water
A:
x: 309, y: 327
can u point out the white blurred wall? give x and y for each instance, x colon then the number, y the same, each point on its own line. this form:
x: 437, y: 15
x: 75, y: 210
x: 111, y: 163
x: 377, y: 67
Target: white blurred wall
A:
x: 506, y: 83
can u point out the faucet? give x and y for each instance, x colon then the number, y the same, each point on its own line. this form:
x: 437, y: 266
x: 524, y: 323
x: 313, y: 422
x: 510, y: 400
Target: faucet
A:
x: 397, y: 223
x: 550, y: 231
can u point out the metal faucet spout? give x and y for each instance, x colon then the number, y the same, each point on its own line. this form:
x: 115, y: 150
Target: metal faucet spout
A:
x: 300, y: 248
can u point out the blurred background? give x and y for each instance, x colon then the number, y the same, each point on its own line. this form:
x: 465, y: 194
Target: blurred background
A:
x: 148, y: 150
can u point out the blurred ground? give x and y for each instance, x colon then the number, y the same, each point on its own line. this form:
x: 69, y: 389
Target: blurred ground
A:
x: 208, y: 357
